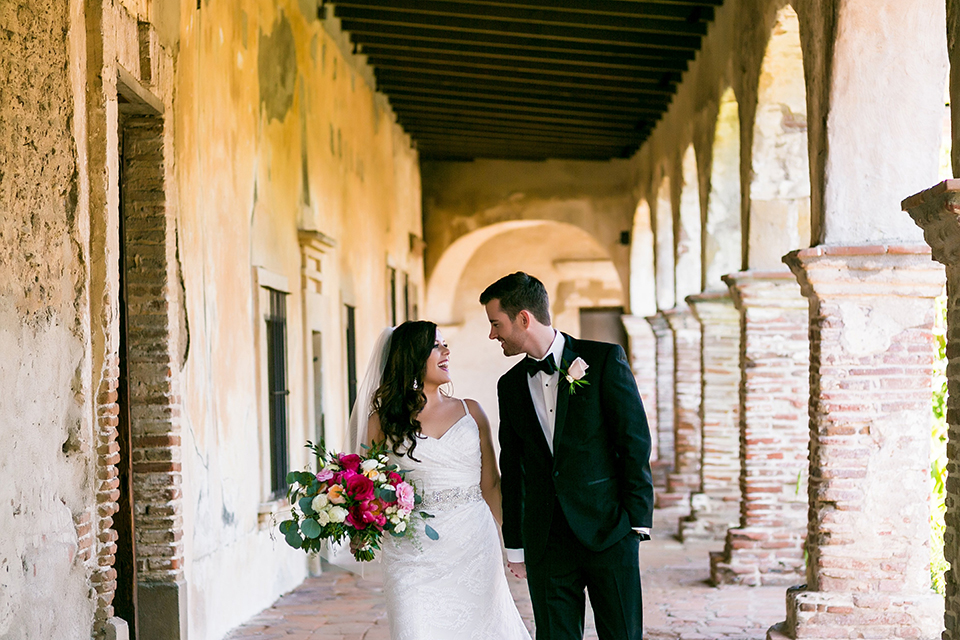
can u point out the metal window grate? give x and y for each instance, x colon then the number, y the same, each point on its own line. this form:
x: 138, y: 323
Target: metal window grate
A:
x: 276, y: 320
x: 351, y: 355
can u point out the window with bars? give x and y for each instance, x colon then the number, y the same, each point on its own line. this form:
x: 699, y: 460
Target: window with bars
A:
x: 392, y: 300
x: 276, y: 320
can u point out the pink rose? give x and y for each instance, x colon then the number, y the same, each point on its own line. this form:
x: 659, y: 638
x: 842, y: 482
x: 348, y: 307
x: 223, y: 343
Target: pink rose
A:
x: 359, y: 487
x: 405, y: 496
x: 577, y: 369
x: 324, y: 475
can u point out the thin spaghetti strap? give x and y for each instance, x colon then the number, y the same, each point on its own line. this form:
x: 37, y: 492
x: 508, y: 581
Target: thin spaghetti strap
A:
x: 466, y: 411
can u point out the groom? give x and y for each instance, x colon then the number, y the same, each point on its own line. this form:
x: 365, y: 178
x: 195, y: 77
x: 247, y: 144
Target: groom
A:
x: 574, y: 459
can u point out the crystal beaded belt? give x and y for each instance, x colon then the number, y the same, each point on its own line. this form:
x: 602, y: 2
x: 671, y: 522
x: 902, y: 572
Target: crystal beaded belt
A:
x: 450, y: 498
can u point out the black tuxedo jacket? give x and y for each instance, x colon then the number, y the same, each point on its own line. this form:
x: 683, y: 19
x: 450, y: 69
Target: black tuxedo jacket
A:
x: 600, y: 467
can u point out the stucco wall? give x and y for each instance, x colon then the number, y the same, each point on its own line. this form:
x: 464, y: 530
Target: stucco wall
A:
x: 45, y: 463
x: 277, y: 130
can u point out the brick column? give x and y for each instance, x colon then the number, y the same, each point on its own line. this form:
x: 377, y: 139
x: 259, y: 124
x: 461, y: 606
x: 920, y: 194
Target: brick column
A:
x: 643, y: 362
x: 937, y: 212
x: 686, y: 383
x: 155, y: 357
x: 767, y: 547
x: 715, y: 507
x: 665, y: 402
x: 871, y: 367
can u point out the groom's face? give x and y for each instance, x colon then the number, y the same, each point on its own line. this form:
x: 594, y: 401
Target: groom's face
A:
x: 509, y: 333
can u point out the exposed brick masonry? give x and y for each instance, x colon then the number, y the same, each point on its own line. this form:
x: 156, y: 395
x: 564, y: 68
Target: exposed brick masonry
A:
x: 715, y: 507
x: 665, y: 398
x: 643, y: 358
x: 767, y: 547
x: 687, y: 433
x: 154, y: 400
x: 871, y: 320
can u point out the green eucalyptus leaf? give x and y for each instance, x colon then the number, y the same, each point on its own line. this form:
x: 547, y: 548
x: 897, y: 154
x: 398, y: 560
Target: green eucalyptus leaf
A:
x: 287, y: 526
x: 431, y: 532
x: 417, y: 499
x: 294, y: 540
x: 387, y: 495
x: 425, y: 515
x: 292, y: 477
x: 305, y: 505
x: 310, y: 528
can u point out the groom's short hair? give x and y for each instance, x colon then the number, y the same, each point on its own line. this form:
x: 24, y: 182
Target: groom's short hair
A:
x: 519, y: 291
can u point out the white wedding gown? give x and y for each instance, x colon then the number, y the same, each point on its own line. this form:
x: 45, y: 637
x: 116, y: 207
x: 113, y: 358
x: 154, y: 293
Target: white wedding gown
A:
x: 453, y: 588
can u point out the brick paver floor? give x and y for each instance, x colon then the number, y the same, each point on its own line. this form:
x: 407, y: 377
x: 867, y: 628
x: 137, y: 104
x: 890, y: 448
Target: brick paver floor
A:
x: 679, y: 604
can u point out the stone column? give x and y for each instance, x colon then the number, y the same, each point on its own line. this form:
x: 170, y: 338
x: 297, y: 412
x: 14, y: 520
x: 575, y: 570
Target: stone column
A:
x: 715, y: 507
x: 686, y: 383
x: 767, y: 547
x: 643, y: 362
x: 665, y: 400
x: 937, y: 211
x: 871, y: 363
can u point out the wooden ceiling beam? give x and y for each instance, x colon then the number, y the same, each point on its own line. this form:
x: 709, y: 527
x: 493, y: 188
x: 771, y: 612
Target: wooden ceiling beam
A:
x: 484, y: 66
x: 373, y: 46
x: 438, y: 75
x: 413, y: 96
x: 360, y: 30
x: 654, y: 35
x: 439, y: 125
x: 429, y: 11
x: 686, y: 11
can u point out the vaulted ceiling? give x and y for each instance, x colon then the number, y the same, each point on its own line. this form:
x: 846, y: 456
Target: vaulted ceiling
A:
x: 522, y: 79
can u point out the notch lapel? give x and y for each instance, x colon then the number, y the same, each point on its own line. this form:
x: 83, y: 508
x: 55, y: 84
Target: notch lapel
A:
x: 563, y: 392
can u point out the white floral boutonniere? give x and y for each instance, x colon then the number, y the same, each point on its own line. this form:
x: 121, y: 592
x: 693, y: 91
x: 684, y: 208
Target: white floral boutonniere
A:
x: 574, y: 373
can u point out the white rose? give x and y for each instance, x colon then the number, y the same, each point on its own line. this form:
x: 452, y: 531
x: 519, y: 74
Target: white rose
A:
x: 369, y: 465
x: 338, y: 514
x: 319, y: 502
x: 400, y: 528
x: 323, y: 518
x: 577, y: 369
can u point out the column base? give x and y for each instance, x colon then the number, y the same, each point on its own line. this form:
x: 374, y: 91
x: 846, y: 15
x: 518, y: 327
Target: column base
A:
x: 710, y: 517
x: 162, y: 610
x: 831, y: 614
x: 758, y: 556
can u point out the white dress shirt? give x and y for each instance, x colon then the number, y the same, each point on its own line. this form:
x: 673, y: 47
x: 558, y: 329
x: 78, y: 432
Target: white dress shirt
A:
x: 543, y: 392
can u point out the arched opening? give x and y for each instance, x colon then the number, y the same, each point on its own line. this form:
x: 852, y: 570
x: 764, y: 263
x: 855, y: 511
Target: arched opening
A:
x: 688, y: 241
x: 663, y: 247
x: 779, y: 219
x: 643, y: 286
x: 722, y: 235
x: 580, y: 277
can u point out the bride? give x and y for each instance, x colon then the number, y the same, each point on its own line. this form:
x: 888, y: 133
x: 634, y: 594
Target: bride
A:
x: 452, y: 588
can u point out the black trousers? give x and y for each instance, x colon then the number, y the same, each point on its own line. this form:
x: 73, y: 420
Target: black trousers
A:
x: 611, y: 577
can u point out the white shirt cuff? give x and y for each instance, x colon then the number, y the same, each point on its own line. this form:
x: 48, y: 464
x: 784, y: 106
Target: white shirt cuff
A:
x: 645, y: 530
x: 514, y: 555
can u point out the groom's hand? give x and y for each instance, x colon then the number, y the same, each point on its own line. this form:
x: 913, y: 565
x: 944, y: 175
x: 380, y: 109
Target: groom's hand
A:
x: 518, y: 569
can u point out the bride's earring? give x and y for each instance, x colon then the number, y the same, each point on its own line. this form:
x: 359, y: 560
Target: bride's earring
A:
x: 416, y: 385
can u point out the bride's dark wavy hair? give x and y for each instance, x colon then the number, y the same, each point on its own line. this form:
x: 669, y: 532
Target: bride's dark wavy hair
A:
x: 400, y: 399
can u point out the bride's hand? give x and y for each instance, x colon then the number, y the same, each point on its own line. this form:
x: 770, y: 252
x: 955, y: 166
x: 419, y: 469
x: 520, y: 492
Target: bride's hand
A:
x: 518, y: 569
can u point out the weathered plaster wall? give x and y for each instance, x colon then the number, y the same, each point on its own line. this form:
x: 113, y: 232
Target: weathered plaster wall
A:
x: 278, y: 130
x: 460, y: 197
x: 46, y: 481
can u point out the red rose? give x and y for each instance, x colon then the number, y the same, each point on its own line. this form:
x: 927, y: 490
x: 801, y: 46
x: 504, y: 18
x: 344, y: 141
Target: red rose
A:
x: 359, y: 487
x: 395, y: 478
x: 350, y: 461
x: 355, y: 518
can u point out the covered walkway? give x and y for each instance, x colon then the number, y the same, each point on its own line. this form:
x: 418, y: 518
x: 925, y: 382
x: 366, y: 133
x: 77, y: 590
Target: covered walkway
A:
x: 679, y: 603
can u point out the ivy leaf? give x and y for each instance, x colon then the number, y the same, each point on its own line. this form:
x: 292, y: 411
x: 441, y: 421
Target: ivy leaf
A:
x: 310, y: 528
x: 431, y: 532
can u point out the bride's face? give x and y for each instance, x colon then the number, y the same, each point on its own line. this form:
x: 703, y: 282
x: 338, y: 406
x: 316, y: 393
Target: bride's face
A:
x: 437, y: 364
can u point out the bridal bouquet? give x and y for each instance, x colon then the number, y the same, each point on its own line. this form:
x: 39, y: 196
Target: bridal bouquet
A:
x: 351, y: 497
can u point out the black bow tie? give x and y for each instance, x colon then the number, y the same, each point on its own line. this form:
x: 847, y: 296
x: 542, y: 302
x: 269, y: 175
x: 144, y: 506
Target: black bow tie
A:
x: 548, y: 365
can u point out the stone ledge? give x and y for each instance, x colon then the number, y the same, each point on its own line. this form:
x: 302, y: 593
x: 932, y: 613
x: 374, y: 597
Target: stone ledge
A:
x: 927, y: 195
